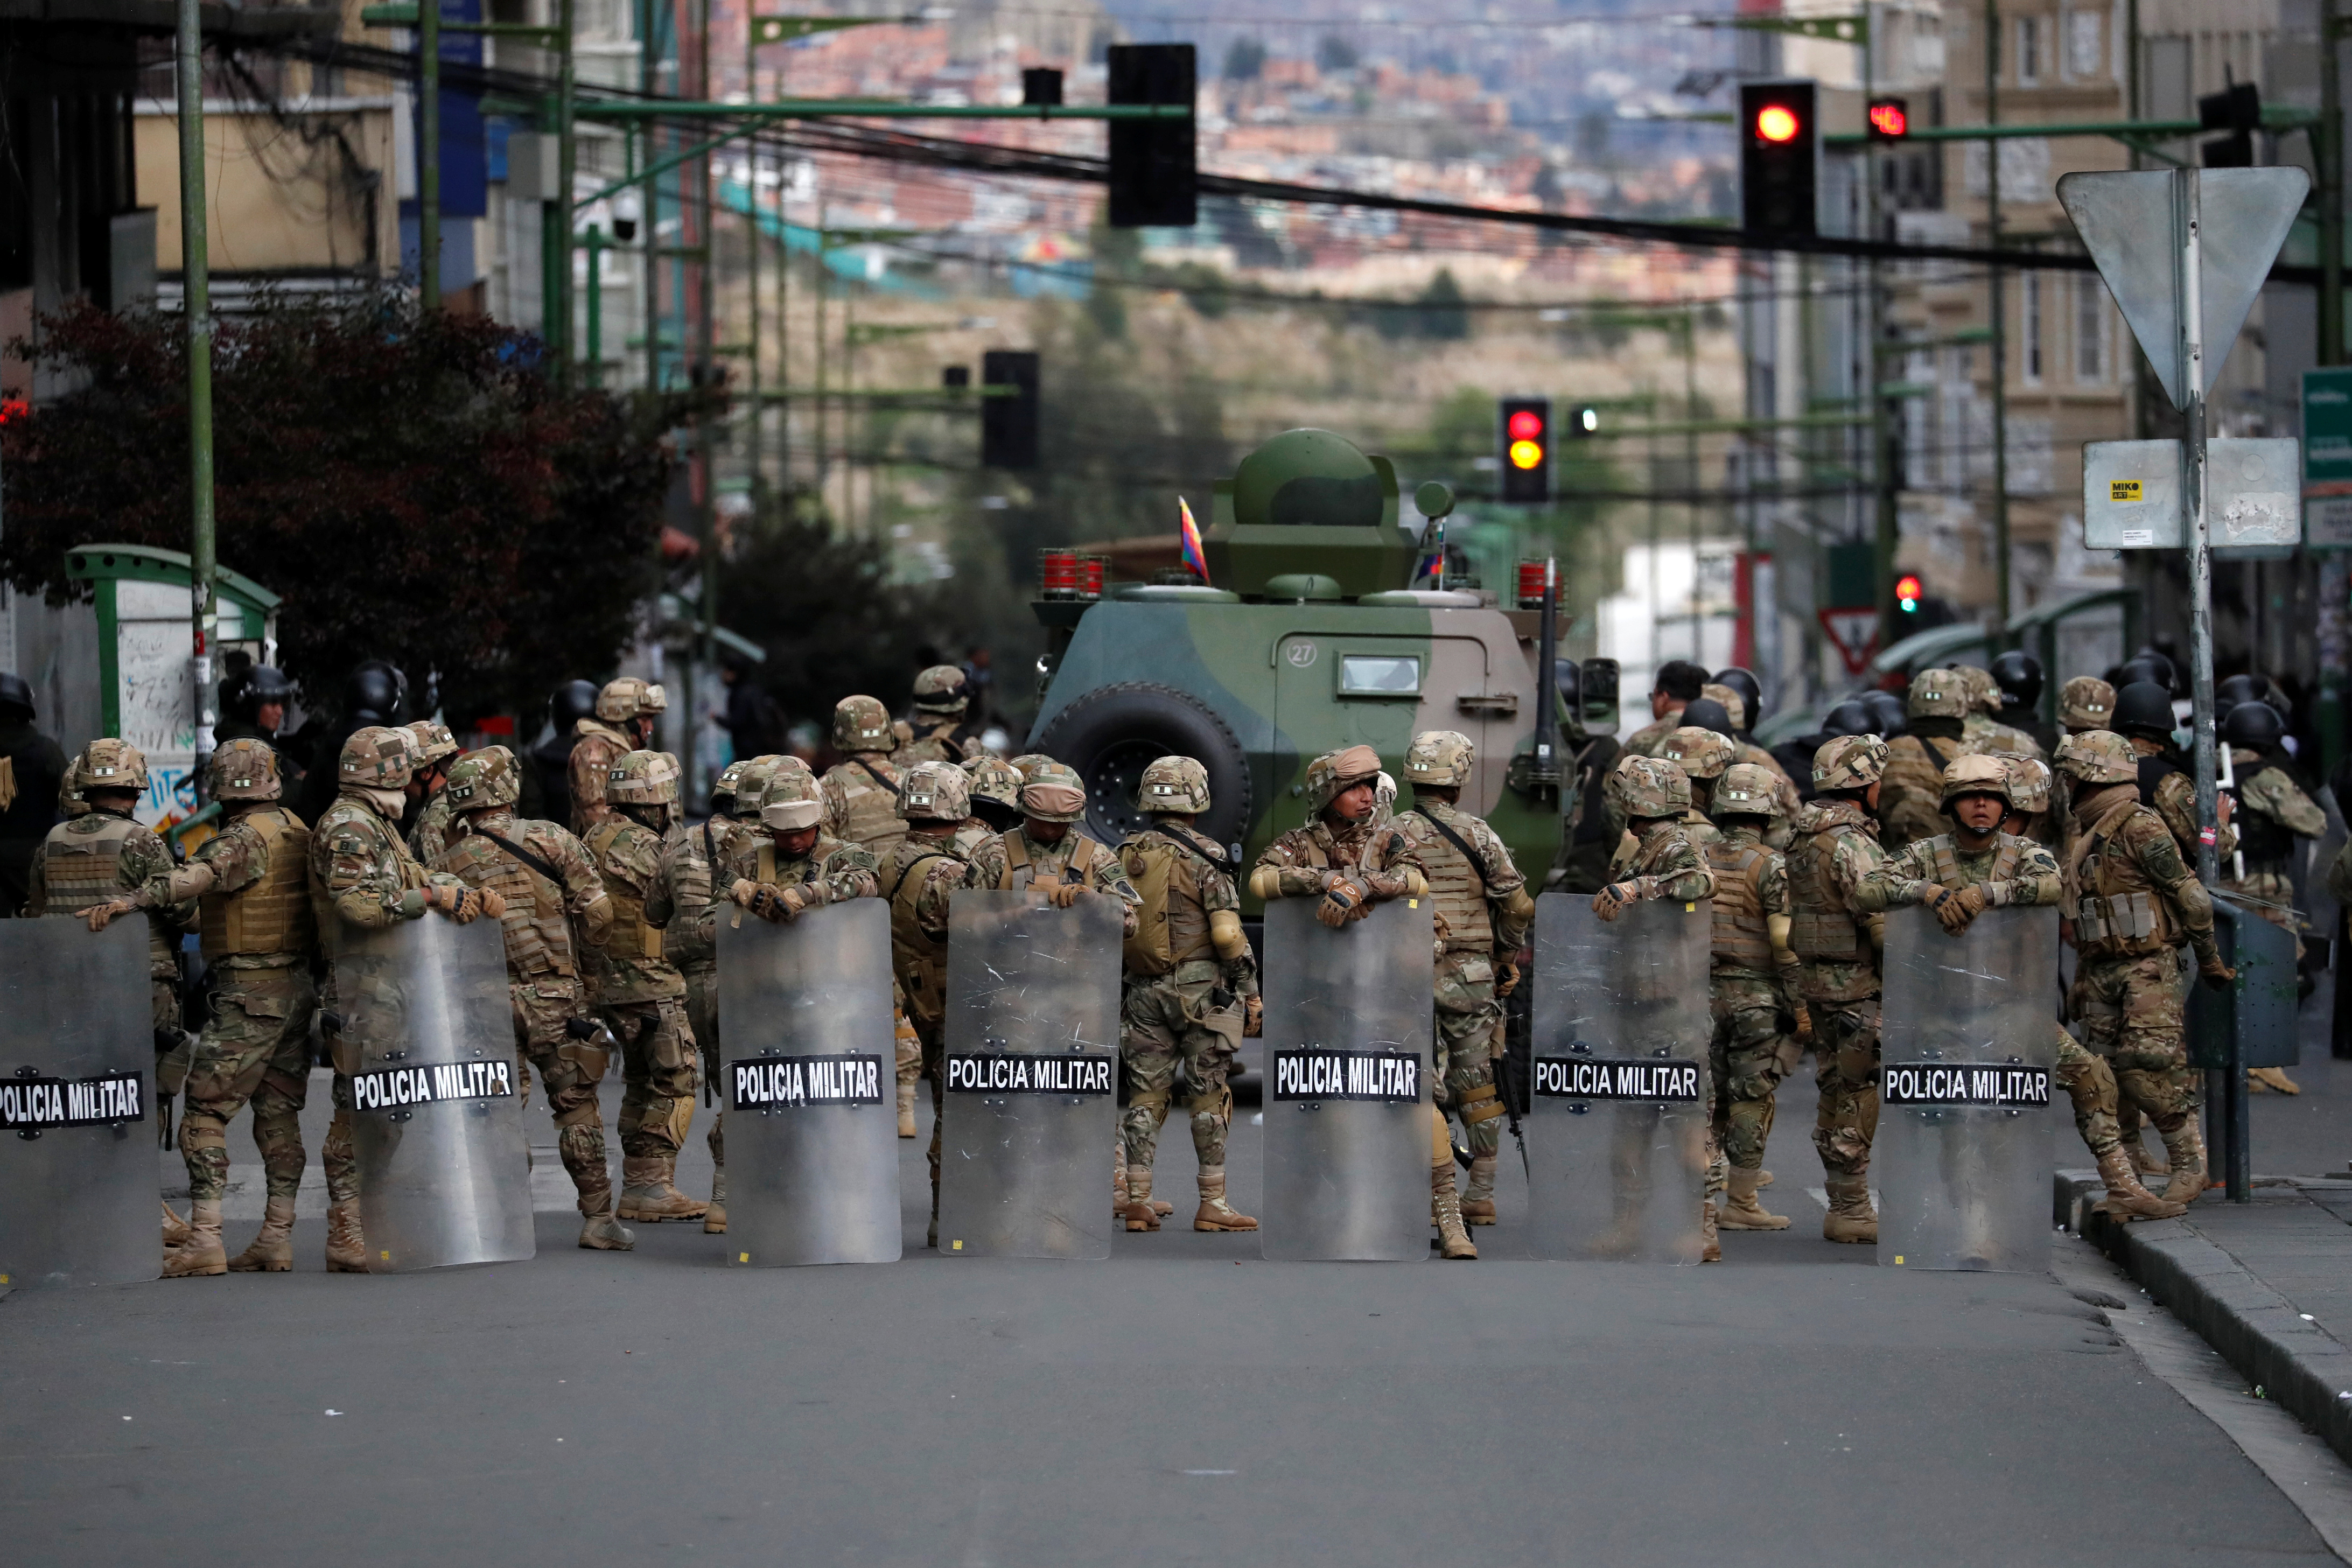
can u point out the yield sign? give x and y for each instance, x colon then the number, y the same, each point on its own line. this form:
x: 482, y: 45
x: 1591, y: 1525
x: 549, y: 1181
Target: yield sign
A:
x: 1855, y: 633
x: 2135, y: 227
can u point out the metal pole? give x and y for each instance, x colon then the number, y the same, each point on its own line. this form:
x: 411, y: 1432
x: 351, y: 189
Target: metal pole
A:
x: 194, y: 263
x: 1999, y: 306
x: 783, y: 334
x: 595, y: 367
x: 649, y: 226
x: 707, y: 428
x: 567, y: 163
x: 757, y: 456
x: 2329, y: 133
x: 428, y: 155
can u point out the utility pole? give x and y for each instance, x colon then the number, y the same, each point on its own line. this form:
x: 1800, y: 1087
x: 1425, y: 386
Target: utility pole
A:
x: 2329, y: 135
x: 428, y: 153
x: 1997, y: 296
x: 567, y: 163
x: 1886, y: 523
x: 195, y: 265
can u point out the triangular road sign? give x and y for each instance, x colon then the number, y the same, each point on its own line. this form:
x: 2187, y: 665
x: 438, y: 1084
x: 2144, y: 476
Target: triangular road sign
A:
x: 1855, y: 635
x: 2129, y: 224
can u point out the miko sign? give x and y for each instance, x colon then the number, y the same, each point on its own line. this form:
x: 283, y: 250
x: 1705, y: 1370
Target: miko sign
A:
x: 1855, y: 635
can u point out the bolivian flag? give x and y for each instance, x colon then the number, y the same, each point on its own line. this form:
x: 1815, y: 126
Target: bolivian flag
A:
x: 1189, y: 538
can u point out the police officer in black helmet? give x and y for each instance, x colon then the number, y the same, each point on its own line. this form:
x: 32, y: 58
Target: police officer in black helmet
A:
x: 32, y: 770
x: 2019, y: 675
x: 253, y: 708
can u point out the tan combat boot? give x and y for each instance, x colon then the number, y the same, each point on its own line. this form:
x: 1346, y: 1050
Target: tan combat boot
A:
x: 272, y: 1251
x: 906, y: 1108
x: 1737, y: 1208
x: 175, y: 1229
x: 1454, y: 1238
x: 2126, y: 1199
x: 1214, y: 1213
x: 1710, y: 1247
x: 600, y: 1232
x: 2275, y: 1079
x: 201, y: 1253
x: 1851, y: 1218
x: 648, y: 1194
x: 1478, y: 1201
x: 1763, y: 1180
x: 1140, y: 1213
x: 346, y: 1243
x: 2185, y: 1148
x: 714, y: 1218
x: 2143, y: 1164
x: 1118, y: 1186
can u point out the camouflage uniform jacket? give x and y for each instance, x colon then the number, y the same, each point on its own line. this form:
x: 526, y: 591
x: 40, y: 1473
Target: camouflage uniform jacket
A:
x: 547, y: 918
x: 1749, y: 875
x: 2270, y: 793
x: 2012, y: 871
x: 1310, y: 858
x: 861, y: 804
x: 1012, y: 859
x: 2128, y: 863
x: 2174, y: 799
x: 936, y: 743
x: 361, y: 872
x: 1666, y: 863
x: 920, y: 876
x: 1471, y: 899
x: 1645, y: 740
x: 640, y: 871
x: 1215, y: 892
x: 701, y: 853
x: 139, y: 856
x: 592, y: 755
x: 236, y: 857
x: 1785, y: 798
x: 832, y: 872
x: 1987, y: 736
x: 1835, y: 852
x: 1911, y: 788
x: 429, y: 834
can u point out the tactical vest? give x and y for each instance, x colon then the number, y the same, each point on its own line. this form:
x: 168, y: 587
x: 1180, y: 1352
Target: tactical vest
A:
x: 79, y: 869
x: 631, y: 937
x: 695, y: 887
x: 1172, y: 924
x: 920, y: 958
x: 2267, y: 843
x: 1458, y: 886
x: 1820, y: 929
x: 274, y: 914
x: 2118, y: 913
x: 1945, y: 858
x: 870, y: 816
x: 538, y: 929
x: 1018, y: 873
x: 1741, y: 940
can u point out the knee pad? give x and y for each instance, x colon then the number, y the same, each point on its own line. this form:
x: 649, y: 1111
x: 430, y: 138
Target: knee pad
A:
x: 1480, y: 1104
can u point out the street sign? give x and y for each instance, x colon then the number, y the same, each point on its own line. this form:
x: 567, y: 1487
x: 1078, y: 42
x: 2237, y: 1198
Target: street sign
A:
x: 1854, y: 633
x: 2327, y: 458
x: 2132, y: 224
x: 2131, y: 495
x: 2250, y: 496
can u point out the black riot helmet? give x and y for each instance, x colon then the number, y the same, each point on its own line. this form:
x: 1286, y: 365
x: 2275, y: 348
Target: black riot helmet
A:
x: 1751, y: 693
x: 2148, y: 665
x: 1707, y: 713
x: 2019, y: 674
x: 2144, y: 708
x: 1888, y: 709
x: 16, y: 697
x: 570, y: 702
x: 262, y: 684
x: 375, y: 692
x: 2254, y: 725
x: 1852, y: 717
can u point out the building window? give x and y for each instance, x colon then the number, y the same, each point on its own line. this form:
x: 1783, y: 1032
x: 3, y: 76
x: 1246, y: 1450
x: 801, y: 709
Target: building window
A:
x: 2029, y: 303
x: 2028, y: 51
x: 2084, y: 59
x: 2090, y: 330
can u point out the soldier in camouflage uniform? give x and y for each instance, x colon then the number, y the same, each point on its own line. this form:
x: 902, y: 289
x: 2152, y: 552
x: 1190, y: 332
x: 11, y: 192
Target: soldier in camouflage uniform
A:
x: 861, y: 791
x: 1048, y: 851
x: 1026, y: 762
x: 1703, y: 755
x: 623, y: 723
x: 1936, y: 710
x: 918, y: 875
x: 103, y: 852
x: 994, y: 786
x: 2131, y: 896
x: 555, y: 905
x: 250, y: 882
x: 1982, y: 729
x: 941, y: 699
x: 1980, y: 864
x: 1654, y: 794
x: 2277, y: 813
x: 640, y: 994
x: 2030, y: 782
x: 435, y: 748
x: 2085, y: 702
x: 1677, y: 684
x: 779, y: 863
x: 1190, y: 995
x: 1785, y: 800
x: 2144, y: 717
x: 1838, y: 943
x: 1752, y: 981
x: 1483, y: 913
x: 362, y: 876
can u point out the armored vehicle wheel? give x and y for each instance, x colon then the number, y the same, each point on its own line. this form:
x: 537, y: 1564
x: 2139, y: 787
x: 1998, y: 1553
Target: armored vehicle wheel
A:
x: 1111, y: 735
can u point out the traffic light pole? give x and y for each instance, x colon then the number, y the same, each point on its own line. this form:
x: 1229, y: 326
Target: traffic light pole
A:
x: 197, y: 293
x: 1998, y: 307
x: 2329, y: 151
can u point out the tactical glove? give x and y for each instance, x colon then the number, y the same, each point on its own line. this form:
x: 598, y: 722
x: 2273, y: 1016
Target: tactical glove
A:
x: 2216, y: 974
x: 1611, y: 899
x: 1253, y: 1018
x: 1061, y: 895
x: 494, y: 904
x: 742, y: 890
x: 1340, y: 900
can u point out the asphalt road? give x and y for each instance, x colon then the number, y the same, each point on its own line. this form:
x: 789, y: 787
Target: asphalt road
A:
x: 1181, y: 1402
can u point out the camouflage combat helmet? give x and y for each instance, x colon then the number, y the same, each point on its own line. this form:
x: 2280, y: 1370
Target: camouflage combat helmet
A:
x: 1439, y: 757
x: 481, y: 780
x: 1054, y: 793
x: 994, y: 779
x: 862, y: 724
x: 1734, y: 704
x: 1938, y: 694
x: 2086, y: 702
x: 1334, y: 774
x: 1980, y: 774
x: 1026, y: 763
x: 1176, y: 786
x: 941, y: 689
x: 1746, y: 789
x: 377, y: 756
x: 753, y: 781
x: 1983, y: 691
x: 70, y: 802
x: 934, y: 791
x: 1702, y: 753
x: 724, y: 784
x: 1852, y: 761
x: 432, y: 742
x: 1645, y: 787
x: 2099, y: 757
x: 2028, y: 783
x: 110, y: 764
x: 629, y: 697
x: 1308, y: 477
x: 643, y: 778
x: 243, y: 770
x: 791, y: 802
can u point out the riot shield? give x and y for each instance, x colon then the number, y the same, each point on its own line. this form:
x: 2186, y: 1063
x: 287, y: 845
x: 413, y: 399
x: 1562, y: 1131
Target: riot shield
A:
x: 812, y: 1117
x: 1347, y: 1118
x: 436, y: 1121
x: 1967, y: 1053
x: 1618, y: 1110
x: 1029, y: 1081
x: 78, y: 1184
x: 2255, y: 1017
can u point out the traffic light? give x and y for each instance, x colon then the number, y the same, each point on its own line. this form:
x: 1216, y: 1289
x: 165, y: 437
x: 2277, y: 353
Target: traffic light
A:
x: 1153, y: 166
x: 1041, y: 87
x: 1524, y: 460
x: 1582, y: 421
x: 1780, y: 159
x: 1890, y: 119
x: 1008, y: 424
x: 2238, y: 110
x: 1907, y: 593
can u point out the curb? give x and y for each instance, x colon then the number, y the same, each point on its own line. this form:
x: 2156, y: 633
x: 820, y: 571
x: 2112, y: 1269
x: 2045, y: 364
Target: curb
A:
x: 2297, y: 1364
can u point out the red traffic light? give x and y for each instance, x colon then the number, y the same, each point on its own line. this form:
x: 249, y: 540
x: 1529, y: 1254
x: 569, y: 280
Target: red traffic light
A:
x: 1526, y: 425
x: 1907, y: 591
x: 1777, y: 123
x: 1890, y: 119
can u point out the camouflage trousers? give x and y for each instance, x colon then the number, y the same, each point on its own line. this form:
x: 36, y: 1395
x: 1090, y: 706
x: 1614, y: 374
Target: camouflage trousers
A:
x: 660, y: 1070
x: 1745, y: 1056
x: 1467, y: 1038
x: 1845, y: 1068
x: 1164, y: 1036
x: 702, y: 1017
x: 2090, y: 1083
x: 256, y: 1051
x: 571, y: 1069
x: 2131, y: 1010
x: 337, y: 1153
